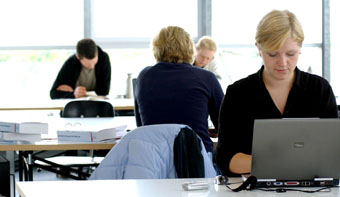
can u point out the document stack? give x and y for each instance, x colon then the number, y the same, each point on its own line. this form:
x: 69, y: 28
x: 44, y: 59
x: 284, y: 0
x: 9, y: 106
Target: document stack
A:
x: 23, y: 131
x: 90, y: 134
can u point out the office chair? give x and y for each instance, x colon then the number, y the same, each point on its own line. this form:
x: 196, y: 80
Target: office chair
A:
x: 66, y: 164
x: 88, y: 108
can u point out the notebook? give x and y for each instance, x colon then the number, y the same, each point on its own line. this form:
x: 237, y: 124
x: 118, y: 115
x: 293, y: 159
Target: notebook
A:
x: 296, y: 152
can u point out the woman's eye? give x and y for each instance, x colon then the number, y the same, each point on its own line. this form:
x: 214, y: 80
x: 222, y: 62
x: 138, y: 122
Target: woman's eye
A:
x: 291, y: 54
x: 272, y: 54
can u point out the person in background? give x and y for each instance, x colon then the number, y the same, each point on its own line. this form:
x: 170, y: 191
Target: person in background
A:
x: 278, y: 90
x: 174, y: 91
x: 87, y: 70
x: 205, y: 52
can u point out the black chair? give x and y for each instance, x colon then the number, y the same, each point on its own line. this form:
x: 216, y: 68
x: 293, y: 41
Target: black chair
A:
x: 87, y: 108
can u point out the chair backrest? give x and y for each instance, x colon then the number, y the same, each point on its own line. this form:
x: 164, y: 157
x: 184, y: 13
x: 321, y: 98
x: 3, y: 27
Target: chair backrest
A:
x: 88, y: 108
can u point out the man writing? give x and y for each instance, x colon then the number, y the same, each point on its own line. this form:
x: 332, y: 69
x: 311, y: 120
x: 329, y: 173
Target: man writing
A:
x: 87, y: 70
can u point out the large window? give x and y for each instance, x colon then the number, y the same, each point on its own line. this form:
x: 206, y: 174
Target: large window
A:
x: 335, y: 45
x: 37, y: 36
x: 29, y: 74
x: 142, y: 19
x: 41, y: 23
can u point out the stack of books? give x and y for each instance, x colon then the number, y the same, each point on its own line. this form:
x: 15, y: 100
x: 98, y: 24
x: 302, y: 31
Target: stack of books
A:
x: 23, y: 131
x: 91, y: 134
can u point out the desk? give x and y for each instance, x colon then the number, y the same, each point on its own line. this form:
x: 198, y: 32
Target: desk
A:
x: 58, y: 104
x: 50, y: 141
x: 150, y: 188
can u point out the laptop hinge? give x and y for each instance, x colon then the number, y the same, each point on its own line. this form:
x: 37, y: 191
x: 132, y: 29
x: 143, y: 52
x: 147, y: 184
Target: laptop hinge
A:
x: 266, y: 180
x: 323, y: 179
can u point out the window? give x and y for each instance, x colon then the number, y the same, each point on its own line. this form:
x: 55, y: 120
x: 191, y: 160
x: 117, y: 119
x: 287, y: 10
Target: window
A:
x: 142, y: 19
x: 41, y: 23
x: 335, y: 46
x: 29, y: 74
x: 38, y: 36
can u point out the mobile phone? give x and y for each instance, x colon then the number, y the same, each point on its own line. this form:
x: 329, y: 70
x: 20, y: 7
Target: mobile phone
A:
x: 195, y: 185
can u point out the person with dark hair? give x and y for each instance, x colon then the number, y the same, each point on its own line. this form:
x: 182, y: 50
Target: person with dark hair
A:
x: 87, y: 70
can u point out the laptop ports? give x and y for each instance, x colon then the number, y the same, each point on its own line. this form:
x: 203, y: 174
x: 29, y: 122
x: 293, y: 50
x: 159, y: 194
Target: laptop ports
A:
x: 292, y: 183
x: 277, y: 183
x: 305, y: 183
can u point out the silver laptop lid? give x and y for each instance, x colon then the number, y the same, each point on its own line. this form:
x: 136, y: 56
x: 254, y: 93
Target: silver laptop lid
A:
x: 296, y: 149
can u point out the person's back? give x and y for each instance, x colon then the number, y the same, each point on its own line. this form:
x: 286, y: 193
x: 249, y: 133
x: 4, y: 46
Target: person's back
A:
x: 178, y: 93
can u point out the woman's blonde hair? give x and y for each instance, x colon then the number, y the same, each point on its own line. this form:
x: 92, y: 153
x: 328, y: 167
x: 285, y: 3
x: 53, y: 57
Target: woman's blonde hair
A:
x: 173, y: 44
x: 275, y: 28
x: 206, y: 42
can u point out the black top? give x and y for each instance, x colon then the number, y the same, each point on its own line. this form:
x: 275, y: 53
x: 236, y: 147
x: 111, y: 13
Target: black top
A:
x: 248, y: 99
x: 70, y: 71
x: 178, y: 93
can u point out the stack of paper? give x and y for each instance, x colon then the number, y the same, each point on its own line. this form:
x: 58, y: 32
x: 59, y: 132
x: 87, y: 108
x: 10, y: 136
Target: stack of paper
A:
x: 88, y: 134
x: 25, y: 131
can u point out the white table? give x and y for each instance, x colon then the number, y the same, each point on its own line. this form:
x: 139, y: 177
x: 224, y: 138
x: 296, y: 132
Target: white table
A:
x: 149, y: 188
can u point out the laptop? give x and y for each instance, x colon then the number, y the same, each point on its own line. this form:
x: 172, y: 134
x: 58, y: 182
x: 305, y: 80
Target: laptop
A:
x: 296, y: 152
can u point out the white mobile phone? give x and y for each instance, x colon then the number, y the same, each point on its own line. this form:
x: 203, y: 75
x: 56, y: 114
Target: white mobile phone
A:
x: 195, y: 185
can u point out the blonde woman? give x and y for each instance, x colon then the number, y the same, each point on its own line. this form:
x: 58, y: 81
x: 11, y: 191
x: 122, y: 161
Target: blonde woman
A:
x: 278, y: 90
x: 174, y: 91
x: 205, y: 55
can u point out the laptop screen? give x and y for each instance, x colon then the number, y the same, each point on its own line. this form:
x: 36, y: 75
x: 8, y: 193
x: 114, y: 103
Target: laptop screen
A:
x: 296, y: 149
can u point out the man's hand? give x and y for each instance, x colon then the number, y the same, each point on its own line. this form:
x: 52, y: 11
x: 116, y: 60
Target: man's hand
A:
x: 80, y: 91
x: 65, y: 88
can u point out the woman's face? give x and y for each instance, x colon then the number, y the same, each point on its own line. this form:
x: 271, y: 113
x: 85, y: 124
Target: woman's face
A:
x: 280, y: 65
x: 204, y: 56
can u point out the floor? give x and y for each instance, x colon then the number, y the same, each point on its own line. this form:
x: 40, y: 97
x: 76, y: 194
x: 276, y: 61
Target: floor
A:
x: 42, y: 175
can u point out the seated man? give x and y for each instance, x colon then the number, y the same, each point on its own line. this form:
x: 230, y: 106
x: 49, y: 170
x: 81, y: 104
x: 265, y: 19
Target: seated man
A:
x: 87, y: 70
x: 204, y: 58
x: 174, y: 91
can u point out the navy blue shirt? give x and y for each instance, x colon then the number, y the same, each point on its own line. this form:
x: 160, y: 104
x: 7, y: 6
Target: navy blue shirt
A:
x: 178, y: 93
x: 248, y: 99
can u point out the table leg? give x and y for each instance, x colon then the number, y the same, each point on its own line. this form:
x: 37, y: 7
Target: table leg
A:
x: 30, y: 166
x: 21, y: 155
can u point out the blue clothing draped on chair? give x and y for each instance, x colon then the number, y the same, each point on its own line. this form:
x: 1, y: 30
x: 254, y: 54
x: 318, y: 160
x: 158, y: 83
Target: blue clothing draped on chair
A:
x: 148, y: 153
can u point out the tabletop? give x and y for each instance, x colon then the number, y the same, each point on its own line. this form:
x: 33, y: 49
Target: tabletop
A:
x: 150, y: 188
x: 49, y: 141
x: 58, y: 104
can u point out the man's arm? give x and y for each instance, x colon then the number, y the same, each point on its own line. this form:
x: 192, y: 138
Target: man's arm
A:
x: 104, y: 75
x: 65, y: 88
x: 67, y: 76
